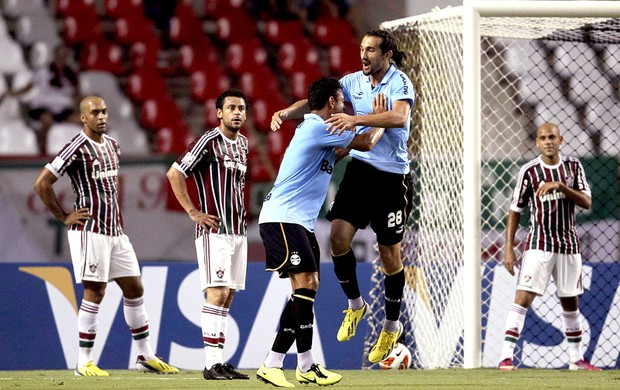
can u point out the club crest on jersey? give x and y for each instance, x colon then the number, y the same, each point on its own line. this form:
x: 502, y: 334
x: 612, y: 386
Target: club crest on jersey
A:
x: 220, y: 273
x: 295, y: 259
x: 570, y: 181
x: 92, y: 267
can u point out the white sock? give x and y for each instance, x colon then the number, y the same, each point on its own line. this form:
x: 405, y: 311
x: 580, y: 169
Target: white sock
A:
x: 274, y: 359
x: 573, y: 332
x: 87, y: 330
x: 356, y: 303
x: 514, y: 326
x: 305, y: 360
x: 138, y: 322
x: 211, y: 322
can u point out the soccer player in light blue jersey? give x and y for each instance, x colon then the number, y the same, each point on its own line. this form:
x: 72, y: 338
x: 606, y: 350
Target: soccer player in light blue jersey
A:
x: 287, y: 221
x: 376, y: 188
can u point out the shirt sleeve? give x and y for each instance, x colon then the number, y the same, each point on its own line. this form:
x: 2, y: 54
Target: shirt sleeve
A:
x: 581, y: 184
x: 403, y: 89
x: 522, y: 192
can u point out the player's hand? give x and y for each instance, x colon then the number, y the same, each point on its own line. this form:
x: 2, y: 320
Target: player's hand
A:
x: 77, y: 217
x: 206, y: 221
x: 510, y: 261
x: 276, y: 119
x: 339, y: 123
x: 379, y: 103
x: 546, y: 188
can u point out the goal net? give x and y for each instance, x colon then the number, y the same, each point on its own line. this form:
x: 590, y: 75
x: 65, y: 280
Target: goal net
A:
x: 533, y: 70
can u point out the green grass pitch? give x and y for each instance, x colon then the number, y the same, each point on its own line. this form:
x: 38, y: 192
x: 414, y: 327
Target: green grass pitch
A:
x: 528, y: 379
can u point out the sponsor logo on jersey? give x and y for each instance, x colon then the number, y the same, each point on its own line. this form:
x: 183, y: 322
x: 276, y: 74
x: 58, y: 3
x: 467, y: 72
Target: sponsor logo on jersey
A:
x: 188, y: 159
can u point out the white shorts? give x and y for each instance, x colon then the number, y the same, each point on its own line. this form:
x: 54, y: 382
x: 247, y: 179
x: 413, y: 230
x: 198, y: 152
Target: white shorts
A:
x: 100, y: 258
x: 537, y: 266
x: 222, y: 260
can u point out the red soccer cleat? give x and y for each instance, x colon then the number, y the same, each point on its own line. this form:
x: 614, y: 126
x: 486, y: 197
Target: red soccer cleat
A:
x: 506, y: 365
x: 583, y: 365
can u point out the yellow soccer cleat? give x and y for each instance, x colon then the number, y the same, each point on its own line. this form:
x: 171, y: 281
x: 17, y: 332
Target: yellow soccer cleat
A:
x: 319, y: 375
x: 386, y: 343
x: 349, y: 324
x: 273, y: 376
x: 156, y: 366
x: 90, y: 369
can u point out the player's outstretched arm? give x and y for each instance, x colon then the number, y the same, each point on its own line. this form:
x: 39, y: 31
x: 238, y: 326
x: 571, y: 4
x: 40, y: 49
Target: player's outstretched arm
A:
x: 294, y: 111
x: 395, y: 118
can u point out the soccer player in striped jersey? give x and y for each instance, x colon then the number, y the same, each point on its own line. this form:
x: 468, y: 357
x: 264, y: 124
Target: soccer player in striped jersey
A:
x: 218, y: 162
x: 287, y: 221
x: 100, y: 250
x: 551, y: 185
x: 376, y: 189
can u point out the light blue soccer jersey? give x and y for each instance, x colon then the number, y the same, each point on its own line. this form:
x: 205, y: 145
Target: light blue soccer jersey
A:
x: 390, y: 153
x: 304, y: 176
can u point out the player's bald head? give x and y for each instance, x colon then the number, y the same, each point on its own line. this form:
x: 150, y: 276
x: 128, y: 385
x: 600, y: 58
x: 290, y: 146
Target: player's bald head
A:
x: 89, y: 102
x: 548, y: 127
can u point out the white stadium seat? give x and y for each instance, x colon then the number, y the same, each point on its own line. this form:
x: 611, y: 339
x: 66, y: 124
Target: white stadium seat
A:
x: 17, y: 139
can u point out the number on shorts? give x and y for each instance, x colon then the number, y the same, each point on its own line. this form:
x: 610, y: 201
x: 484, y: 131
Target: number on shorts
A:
x: 395, y: 219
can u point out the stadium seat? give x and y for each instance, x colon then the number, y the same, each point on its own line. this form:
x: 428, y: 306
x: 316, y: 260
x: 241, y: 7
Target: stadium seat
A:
x: 245, y: 55
x: 173, y: 140
x: 603, y: 115
x: 208, y: 84
x: 83, y: 8
x: 10, y: 110
x: 17, y: 8
x: 184, y: 31
x: 536, y: 86
x: 300, y: 82
x: 215, y: 9
x: 102, y: 55
x: 17, y: 139
x: 611, y: 60
x: 329, y: 31
x: 133, y: 140
x: 523, y: 57
x: 123, y: 8
x: 131, y: 30
x: 144, y: 84
x: 12, y: 56
x: 40, y: 54
x: 343, y: 59
x: 262, y: 110
x: 259, y: 82
x: 81, y: 29
x: 235, y: 28
x: 32, y: 28
x: 160, y: 112
x: 299, y: 55
x: 144, y: 54
x: 211, y: 119
x: 277, y: 32
x: 4, y: 29
x: 200, y: 54
x: 58, y: 135
x: 583, y: 87
x: 574, y: 57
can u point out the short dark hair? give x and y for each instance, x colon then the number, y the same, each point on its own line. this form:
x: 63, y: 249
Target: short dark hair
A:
x: 219, y: 103
x: 320, y: 92
x: 388, y: 43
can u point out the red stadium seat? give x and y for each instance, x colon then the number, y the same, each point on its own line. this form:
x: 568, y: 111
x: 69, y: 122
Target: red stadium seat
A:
x: 235, y: 28
x: 157, y: 113
x: 215, y: 9
x: 343, y: 59
x: 330, y: 31
x: 263, y: 108
x: 199, y: 54
x: 259, y: 82
x: 173, y: 140
x: 78, y: 29
x: 123, y: 8
x: 185, y: 30
x: 144, y: 54
x: 208, y: 84
x: 245, y: 56
x: 279, y: 31
x: 301, y: 80
x: 102, y: 55
x: 211, y: 119
x: 144, y: 84
x: 136, y: 29
x: 82, y: 8
x: 300, y: 55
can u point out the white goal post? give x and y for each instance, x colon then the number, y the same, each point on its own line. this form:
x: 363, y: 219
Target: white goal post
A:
x: 475, y: 21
